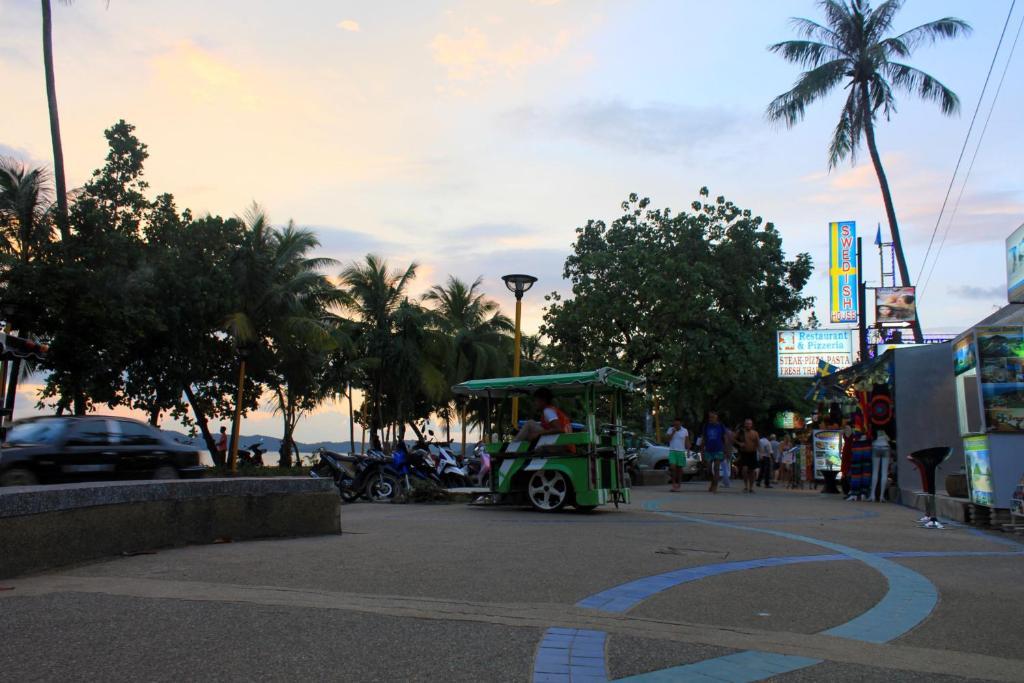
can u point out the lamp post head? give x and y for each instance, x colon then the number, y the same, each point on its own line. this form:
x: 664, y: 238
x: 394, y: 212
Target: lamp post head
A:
x: 518, y: 284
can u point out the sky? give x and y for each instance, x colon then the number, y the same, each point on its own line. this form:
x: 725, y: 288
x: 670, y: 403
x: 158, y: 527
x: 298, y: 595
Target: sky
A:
x: 474, y: 137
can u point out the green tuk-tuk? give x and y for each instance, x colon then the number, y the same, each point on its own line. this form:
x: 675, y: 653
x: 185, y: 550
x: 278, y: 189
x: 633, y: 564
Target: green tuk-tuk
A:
x: 583, y: 469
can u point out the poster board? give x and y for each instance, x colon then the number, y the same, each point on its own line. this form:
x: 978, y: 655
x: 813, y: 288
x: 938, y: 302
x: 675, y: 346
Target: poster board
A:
x: 895, y: 305
x: 827, y: 451
x: 1001, y: 366
x: 978, y: 463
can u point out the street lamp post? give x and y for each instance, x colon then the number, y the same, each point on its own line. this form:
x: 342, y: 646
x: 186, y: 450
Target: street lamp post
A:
x: 518, y: 284
x: 243, y: 354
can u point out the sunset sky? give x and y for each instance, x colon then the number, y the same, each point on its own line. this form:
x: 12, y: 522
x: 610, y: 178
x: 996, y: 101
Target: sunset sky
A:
x: 475, y: 137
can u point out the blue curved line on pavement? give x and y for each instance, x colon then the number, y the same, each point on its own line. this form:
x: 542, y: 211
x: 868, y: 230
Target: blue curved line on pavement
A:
x: 626, y: 596
x: 909, y: 600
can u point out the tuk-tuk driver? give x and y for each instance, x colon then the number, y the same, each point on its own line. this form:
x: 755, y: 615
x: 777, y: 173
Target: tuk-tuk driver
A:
x: 552, y: 419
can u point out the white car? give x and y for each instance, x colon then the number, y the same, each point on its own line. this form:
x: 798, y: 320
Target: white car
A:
x: 654, y: 456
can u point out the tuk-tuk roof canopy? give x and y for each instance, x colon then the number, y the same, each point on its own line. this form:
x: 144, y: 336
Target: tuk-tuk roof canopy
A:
x: 603, y: 379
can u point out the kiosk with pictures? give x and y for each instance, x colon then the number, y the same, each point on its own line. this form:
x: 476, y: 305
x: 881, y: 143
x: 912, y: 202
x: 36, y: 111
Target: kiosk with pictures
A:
x: 988, y: 361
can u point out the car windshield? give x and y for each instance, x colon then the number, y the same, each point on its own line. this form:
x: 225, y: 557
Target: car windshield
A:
x: 37, y: 431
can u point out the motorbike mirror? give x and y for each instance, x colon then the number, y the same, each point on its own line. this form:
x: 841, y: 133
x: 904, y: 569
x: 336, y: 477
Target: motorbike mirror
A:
x: 430, y: 431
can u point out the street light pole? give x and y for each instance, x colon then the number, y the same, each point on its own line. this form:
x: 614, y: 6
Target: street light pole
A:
x: 243, y: 353
x: 518, y: 284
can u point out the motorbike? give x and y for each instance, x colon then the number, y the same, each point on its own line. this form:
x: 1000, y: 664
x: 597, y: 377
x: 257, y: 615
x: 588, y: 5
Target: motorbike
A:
x: 253, y: 456
x: 414, y: 463
x: 356, y: 477
x: 447, y: 467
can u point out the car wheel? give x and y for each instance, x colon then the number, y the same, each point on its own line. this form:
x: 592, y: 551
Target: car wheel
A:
x: 661, y: 465
x: 165, y: 472
x: 549, y: 490
x: 18, y: 476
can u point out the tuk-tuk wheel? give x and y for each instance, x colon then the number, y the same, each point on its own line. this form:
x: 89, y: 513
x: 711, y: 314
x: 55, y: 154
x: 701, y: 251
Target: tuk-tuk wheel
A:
x: 549, y: 490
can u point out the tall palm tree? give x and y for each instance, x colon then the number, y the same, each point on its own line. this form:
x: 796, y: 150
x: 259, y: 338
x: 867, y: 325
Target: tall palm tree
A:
x: 476, y: 332
x: 51, y: 101
x: 279, y: 290
x: 857, y: 48
x: 378, y: 298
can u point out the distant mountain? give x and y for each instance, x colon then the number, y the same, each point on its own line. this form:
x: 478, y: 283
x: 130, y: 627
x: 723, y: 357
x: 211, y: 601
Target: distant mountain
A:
x: 271, y: 443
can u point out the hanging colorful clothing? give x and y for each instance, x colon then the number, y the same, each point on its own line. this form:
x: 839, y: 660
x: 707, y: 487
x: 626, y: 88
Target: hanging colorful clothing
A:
x: 860, y: 466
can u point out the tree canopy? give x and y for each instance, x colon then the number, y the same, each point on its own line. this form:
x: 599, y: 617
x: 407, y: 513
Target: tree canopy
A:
x: 690, y: 299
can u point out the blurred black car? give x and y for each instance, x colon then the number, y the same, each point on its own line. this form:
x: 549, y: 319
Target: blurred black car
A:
x: 73, y: 449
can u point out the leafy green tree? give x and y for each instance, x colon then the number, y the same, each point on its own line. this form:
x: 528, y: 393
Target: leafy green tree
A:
x: 857, y: 49
x: 692, y: 300
x: 183, y: 351
x: 87, y: 295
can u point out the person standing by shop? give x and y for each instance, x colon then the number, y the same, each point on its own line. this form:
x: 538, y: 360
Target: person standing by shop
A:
x: 678, y: 444
x: 746, y: 442
x: 713, y: 448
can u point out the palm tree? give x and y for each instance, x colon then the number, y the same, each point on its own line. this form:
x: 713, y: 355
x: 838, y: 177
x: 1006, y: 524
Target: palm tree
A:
x: 477, y: 336
x: 391, y: 337
x: 25, y: 229
x: 25, y: 210
x: 280, y: 292
x: 51, y: 101
x: 857, y: 49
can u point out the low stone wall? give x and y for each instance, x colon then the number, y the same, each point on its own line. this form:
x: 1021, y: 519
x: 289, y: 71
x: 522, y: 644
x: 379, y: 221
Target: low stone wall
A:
x: 49, y: 526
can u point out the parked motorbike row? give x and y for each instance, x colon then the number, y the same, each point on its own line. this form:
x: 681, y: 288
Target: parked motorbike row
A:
x: 378, y: 477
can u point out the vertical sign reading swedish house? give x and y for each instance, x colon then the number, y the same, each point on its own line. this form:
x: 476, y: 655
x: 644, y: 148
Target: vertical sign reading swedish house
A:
x: 842, y: 271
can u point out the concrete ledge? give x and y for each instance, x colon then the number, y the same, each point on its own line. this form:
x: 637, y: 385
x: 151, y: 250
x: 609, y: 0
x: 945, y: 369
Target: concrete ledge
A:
x: 946, y: 506
x: 42, y: 527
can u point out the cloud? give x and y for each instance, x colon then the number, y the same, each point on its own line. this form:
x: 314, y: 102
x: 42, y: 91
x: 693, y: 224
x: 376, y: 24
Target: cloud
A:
x: 497, y: 234
x: 660, y: 128
x: 21, y: 154
x: 975, y: 292
x: 471, y: 55
x: 350, y: 25
x: 345, y: 244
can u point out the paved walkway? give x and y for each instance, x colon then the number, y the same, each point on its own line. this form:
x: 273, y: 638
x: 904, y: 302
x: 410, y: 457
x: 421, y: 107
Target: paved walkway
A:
x: 781, y: 585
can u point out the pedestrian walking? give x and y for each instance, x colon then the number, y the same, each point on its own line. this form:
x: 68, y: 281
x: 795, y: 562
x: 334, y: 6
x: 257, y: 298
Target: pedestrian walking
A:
x: 747, y: 440
x: 678, y: 444
x: 222, y: 446
x: 729, y: 451
x: 764, y: 462
x: 713, y: 448
x: 776, y: 457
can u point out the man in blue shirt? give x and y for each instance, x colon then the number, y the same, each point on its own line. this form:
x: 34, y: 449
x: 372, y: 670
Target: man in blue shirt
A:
x: 713, y: 447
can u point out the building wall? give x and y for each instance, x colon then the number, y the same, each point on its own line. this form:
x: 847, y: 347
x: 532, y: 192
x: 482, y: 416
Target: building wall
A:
x: 925, y: 401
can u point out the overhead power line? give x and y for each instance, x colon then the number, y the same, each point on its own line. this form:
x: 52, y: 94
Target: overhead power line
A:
x: 967, y: 137
x: 977, y: 148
